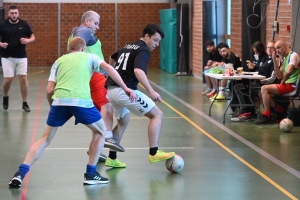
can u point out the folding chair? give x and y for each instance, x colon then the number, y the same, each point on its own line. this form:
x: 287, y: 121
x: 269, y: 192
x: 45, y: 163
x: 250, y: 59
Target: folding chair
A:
x: 290, y: 97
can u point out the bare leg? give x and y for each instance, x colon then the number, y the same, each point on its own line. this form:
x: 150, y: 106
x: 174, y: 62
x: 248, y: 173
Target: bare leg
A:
x: 97, y: 142
x: 6, y: 85
x: 120, y: 128
x: 38, y: 147
x: 266, y: 92
x: 208, y: 82
x: 23, y: 87
x: 156, y: 116
x: 107, y: 115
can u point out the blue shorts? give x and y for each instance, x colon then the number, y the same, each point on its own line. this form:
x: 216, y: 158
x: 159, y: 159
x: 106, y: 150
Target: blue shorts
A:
x: 58, y: 115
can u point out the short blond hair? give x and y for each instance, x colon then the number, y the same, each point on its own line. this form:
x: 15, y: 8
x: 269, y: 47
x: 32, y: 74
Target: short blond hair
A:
x: 76, y: 44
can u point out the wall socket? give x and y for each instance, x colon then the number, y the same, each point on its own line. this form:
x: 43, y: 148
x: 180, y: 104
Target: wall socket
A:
x: 275, y: 26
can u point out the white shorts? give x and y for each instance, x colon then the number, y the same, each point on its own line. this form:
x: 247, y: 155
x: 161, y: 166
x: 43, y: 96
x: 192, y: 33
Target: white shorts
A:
x: 11, y: 66
x: 122, y: 105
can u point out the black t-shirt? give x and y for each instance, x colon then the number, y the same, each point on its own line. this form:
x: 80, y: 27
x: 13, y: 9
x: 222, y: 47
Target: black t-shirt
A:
x: 234, y: 60
x: 265, y: 65
x: 215, y: 56
x: 11, y: 34
x: 131, y: 56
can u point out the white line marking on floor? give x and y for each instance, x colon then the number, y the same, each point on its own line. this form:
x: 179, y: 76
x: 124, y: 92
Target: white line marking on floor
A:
x: 146, y: 148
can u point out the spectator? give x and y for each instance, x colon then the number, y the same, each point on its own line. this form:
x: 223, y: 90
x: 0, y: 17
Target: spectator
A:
x: 263, y: 64
x: 214, y: 57
x: 228, y: 57
x: 288, y: 74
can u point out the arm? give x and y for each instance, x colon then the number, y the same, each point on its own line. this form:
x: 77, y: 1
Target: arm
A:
x: 277, y: 71
x: 288, y: 73
x: 117, y: 78
x: 27, y: 40
x: 50, y: 91
x: 111, y: 61
x: 142, y: 78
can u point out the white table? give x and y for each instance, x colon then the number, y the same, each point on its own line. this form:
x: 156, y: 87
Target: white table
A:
x: 247, y: 75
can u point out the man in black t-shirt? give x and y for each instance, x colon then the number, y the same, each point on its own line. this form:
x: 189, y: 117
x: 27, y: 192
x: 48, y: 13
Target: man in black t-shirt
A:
x: 214, y: 58
x: 227, y: 57
x: 131, y: 62
x: 15, y: 33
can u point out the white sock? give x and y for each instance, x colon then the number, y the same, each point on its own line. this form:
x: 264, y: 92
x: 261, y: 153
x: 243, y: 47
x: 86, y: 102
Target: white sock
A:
x: 221, y: 92
x: 109, y: 134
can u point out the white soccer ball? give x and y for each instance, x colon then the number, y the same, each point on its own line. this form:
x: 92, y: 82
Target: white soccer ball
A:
x: 175, y: 164
x: 286, y: 125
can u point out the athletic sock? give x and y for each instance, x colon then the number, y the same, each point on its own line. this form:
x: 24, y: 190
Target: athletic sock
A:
x: 112, y: 154
x: 109, y: 134
x: 23, y: 169
x: 267, y: 113
x: 153, y: 150
x: 221, y: 91
x: 90, y: 170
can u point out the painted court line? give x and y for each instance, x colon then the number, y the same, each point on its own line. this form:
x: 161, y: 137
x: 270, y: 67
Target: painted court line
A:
x: 143, y: 148
x: 33, y: 137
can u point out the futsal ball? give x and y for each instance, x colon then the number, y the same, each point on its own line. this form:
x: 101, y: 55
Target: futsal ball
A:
x: 175, y: 164
x: 286, y: 125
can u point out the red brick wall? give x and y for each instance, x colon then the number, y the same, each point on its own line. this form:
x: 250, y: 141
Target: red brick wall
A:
x: 284, y: 19
x: 43, y: 19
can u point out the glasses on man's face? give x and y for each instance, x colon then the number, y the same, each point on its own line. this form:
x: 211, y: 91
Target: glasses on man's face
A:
x: 270, y: 47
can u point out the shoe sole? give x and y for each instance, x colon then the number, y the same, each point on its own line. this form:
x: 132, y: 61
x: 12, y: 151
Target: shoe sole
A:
x: 115, y: 166
x: 92, y: 182
x: 114, y: 147
x: 26, y: 110
x: 155, y: 161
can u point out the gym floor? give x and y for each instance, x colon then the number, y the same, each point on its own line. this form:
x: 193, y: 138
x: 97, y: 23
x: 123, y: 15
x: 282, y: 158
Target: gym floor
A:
x: 234, y: 161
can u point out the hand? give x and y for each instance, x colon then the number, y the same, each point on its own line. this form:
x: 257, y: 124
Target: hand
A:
x: 206, y: 67
x: 23, y: 40
x: 262, y: 81
x: 131, y: 94
x: 282, y: 83
x: 274, y: 54
x: 209, y: 63
x: 156, y: 97
x: 250, y: 65
x: 4, y: 45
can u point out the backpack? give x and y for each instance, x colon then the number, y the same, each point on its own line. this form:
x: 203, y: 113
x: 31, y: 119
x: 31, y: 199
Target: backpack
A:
x: 294, y: 115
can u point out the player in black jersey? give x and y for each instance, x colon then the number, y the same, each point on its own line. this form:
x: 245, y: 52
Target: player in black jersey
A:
x: 131, y: 62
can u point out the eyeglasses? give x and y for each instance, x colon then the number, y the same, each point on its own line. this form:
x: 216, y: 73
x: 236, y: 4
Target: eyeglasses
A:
x: 270, y: 47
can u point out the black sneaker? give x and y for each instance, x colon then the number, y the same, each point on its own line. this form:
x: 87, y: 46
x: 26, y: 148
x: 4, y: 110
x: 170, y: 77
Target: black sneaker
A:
x: 102, y: 157
x: 96, y: 178
x: 16, y: 181
x: 5, y: 102
x: 112, y: 144
x: 263, y: 119
x: 25, y: 107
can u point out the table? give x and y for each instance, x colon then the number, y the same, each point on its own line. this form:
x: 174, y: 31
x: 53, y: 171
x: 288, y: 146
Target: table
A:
x: 247, y: 75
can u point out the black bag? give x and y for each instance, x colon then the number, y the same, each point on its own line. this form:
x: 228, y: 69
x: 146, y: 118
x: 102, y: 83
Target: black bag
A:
x: 294, y: 115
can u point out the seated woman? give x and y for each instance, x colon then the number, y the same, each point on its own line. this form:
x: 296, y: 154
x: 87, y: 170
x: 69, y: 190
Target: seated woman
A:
x: 263, y: 64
